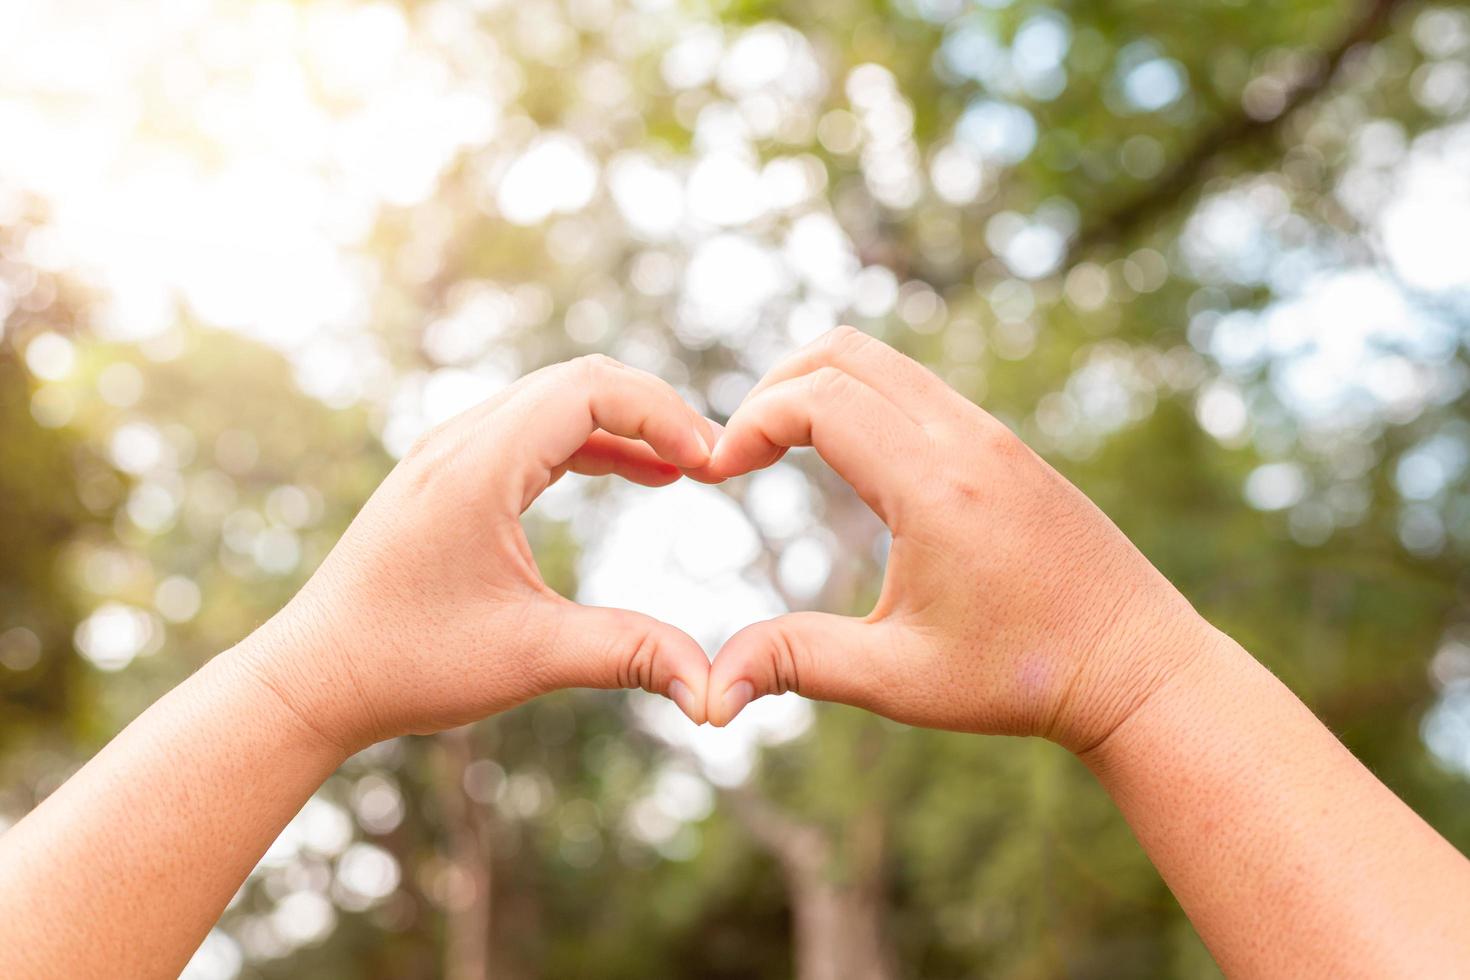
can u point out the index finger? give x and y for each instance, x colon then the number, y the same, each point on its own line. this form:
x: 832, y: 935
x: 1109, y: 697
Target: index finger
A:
x: 866, y: 438
x: 561, y: 407
x: 917, y: 391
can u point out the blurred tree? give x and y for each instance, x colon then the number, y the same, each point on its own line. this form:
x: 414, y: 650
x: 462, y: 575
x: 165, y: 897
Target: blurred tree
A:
x: 1166, y: 242
x: 54, y: 492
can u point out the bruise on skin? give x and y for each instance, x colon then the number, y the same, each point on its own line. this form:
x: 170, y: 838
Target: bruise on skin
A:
x: 1035, y: 676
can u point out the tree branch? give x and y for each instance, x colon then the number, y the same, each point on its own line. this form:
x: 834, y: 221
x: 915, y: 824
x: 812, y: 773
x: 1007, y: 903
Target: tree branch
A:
x: 1234, y: 132
x: 803, y: 849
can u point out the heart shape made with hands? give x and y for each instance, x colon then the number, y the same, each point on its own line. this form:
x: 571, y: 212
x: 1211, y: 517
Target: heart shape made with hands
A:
x: 1010, y: 604
x: 694, y: 557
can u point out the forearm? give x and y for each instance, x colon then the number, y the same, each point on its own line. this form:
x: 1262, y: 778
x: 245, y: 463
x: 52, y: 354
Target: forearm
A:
x: 1289, y: 857
x: 125, y: 868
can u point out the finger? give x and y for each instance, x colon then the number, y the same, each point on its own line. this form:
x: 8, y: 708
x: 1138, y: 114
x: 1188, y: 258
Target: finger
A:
x: 862, y: 435
x: 616, y: 648
x: 905, y: 382
x: 704, y: 474
x: 604, y: 454
x: 817, y: 655
x: 557, y: 413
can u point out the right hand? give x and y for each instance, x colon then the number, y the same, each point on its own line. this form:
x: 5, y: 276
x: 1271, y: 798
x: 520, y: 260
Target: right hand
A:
x: 1011, y: 604
x: 430, y: 612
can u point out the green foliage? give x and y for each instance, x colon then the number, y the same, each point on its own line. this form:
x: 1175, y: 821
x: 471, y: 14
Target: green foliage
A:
x: 998, y: 857
x: 40, y: 514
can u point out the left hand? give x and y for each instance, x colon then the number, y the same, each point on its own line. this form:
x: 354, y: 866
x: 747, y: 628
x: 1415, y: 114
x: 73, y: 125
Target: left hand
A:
x: 1011, y: 604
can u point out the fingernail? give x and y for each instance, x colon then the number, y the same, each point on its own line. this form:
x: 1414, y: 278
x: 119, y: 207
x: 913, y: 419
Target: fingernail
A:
x: 737, y: 697
x: 680, y: 694
x: 719, y: 431
x: 700, y: 437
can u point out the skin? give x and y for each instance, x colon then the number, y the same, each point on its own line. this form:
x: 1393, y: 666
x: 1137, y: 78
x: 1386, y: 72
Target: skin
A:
x: 1289, y: 857
x: 428, y: 614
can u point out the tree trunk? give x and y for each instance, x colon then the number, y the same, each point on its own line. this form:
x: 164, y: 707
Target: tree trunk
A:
x: 838, y: 919
x: 467, y: 912
x: 839, y: 931
x: 836, y: 888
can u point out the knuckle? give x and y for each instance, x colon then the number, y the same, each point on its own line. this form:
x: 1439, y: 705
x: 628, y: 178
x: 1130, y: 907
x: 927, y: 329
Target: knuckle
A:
x: 845, y: 340
x: 422, y: 446
x: 999, y: 442
x: 429, y: 448
x: 593, y: 364
x: 967, y: 491
x: 585, y: 371
x: 787, y: 656
x: 637, y: 661
x: 1002, y: 450
x: 828, y: 382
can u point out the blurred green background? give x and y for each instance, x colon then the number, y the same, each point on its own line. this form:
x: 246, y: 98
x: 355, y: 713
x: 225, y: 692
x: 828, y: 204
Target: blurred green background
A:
x: 1211, y: 259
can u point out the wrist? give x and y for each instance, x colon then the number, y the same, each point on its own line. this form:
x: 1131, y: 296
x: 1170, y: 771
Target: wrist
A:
x: 1152, y: 639
x: 1202, y: 663
x: 286, y: 667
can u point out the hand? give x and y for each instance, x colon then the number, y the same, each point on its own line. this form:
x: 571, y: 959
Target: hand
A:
x: 1011, y: 604
x: 430, y: 612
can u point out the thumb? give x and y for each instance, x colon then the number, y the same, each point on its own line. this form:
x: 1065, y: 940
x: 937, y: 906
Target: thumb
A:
x: 618, y: 648
x: 817, y: 655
